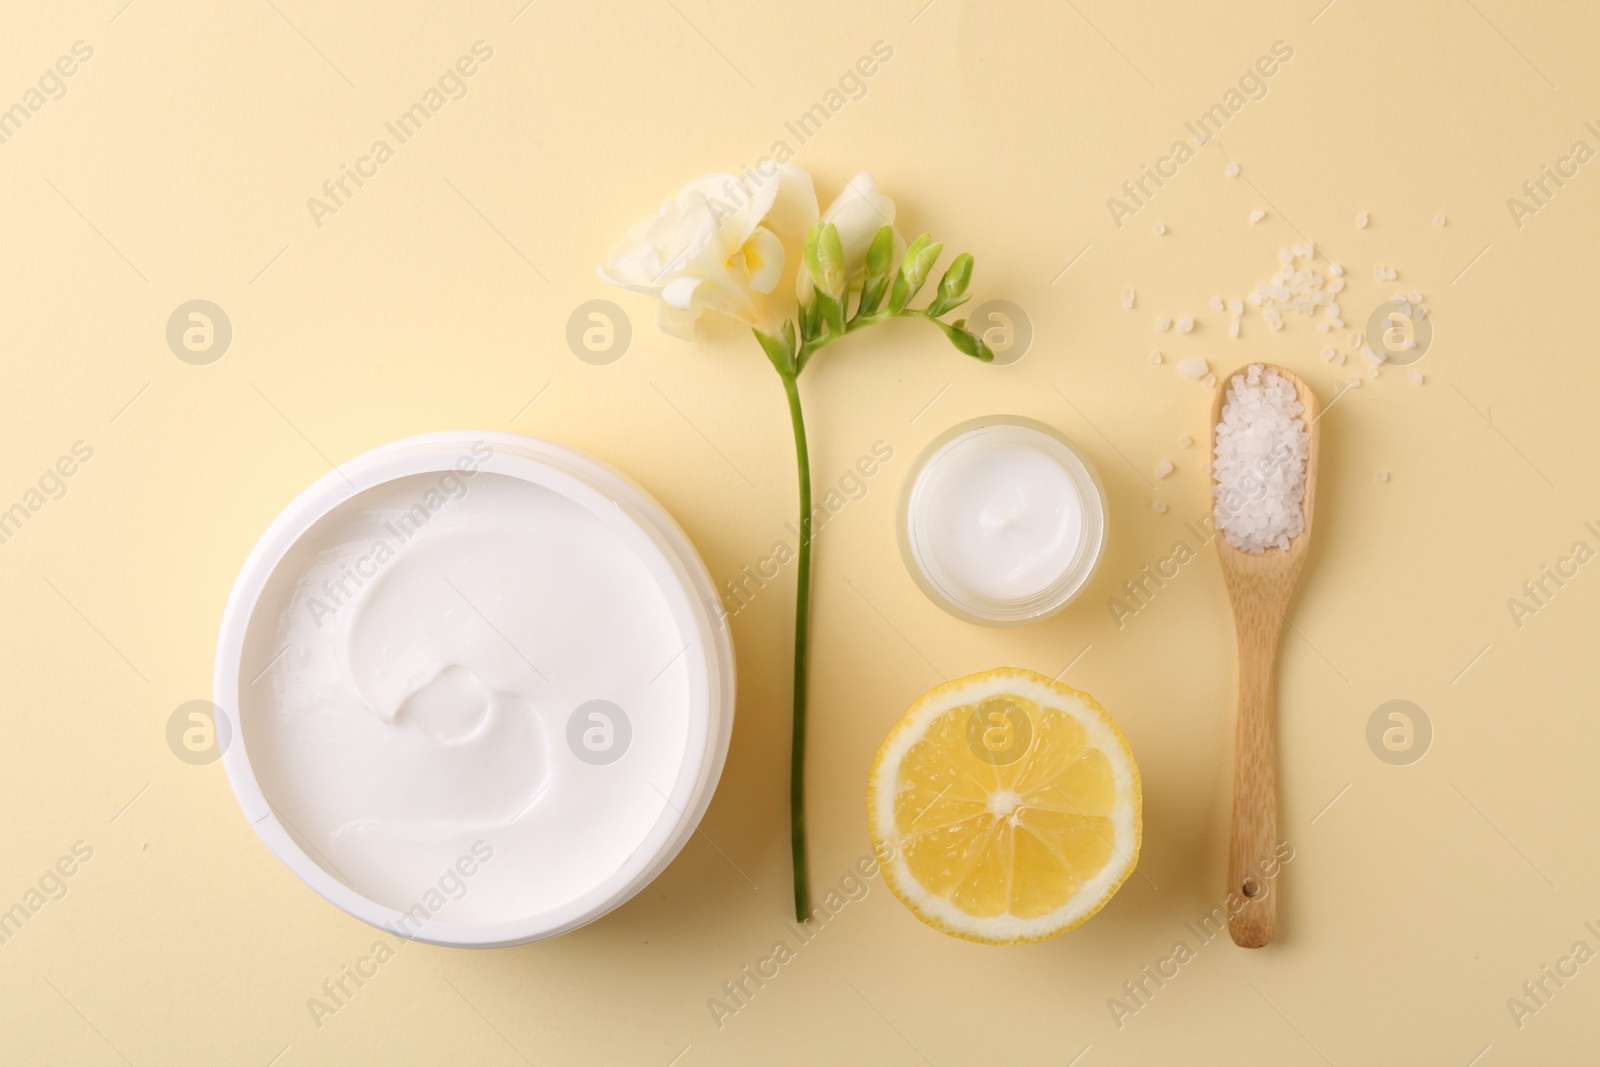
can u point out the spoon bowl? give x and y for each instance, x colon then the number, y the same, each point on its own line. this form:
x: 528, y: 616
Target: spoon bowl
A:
x: 1260, y: 586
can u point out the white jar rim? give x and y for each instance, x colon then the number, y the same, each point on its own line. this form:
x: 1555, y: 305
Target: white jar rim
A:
x: 914, y: 523
x: 642, y: 523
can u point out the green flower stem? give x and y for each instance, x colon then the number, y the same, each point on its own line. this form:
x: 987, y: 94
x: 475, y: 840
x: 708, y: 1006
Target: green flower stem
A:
x: 802, y: 625
x: 823, y: 320
x: 860, y: 322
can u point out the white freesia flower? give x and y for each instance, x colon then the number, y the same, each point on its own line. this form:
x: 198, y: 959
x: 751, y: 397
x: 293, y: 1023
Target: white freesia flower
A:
x: 719, y: 245
x: 724, y: 244
x: 859, y: 212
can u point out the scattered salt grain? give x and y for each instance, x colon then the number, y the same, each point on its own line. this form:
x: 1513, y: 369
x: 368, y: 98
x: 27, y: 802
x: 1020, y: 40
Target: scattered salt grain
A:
x: 1155, y: 358
x: 1216, y: 303
x: 1194, y: 367
x: 1339, y: 360
x: 1233, y: 327
x: 1356, y: 340
x: 1439, y: 220
x: 1232, y: 170
x: 1235, y: 306
x: 1209, y: 381
x: 1257, y: 215
x: 1372, y: 357
x: 1162, y: 323
x: 1415, y: 376
x: 1163, y: 468
x: 1185, y: 440
x: 1160, y: 507
x: 1354, y: 383
x: 1381, y: 476
x: 1295, y: 286
x: 1324, y: 326
x: 1161, y: 228
x: 1328, y: 354
x: 1259, y: 468
x: 1361, y: 221
x: 1336, y: 269
x: 1416, y: 298
x: 1185, y: 324
x: 1128, y: 296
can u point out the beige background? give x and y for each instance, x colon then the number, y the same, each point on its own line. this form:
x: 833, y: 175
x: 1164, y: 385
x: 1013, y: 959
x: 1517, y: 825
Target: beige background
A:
x: 178, y: 165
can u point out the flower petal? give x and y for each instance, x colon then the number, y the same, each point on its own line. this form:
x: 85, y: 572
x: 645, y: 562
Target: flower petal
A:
x: 764, y: 258
x: 679, y: 293
x: 736, y: 207
x: 675, y: 323
x: 793, y: 207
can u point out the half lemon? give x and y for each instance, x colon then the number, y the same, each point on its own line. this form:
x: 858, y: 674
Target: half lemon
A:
x: 1005, y: 807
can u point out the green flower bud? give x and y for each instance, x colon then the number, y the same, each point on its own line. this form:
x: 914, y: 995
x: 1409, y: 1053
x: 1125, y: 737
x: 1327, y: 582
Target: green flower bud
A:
x: 965, y: 341
x: 953, y: 286
x: 880, y: 254
x: 914, y: 268
x: 875, y: 283
x: 824, y: 256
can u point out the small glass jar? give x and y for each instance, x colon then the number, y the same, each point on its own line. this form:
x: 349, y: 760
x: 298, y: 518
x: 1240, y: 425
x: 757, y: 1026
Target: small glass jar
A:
x: 1002, y: 520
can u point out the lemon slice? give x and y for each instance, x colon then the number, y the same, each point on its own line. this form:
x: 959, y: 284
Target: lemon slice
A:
x: 1005, y: 807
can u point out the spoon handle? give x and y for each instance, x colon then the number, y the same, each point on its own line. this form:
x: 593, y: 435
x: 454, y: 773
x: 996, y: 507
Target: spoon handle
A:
x: 1253, y: 905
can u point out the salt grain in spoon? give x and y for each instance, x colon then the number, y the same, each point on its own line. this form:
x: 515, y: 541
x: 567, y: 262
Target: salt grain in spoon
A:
x: 1264, y: 472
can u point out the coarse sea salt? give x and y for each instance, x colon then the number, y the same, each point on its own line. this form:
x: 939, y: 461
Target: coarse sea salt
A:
x: 1298, y: 288
x: 1259, y: 466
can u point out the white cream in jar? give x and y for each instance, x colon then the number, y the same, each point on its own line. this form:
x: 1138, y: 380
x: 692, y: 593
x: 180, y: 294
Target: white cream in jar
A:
x: 1002, y: 520
x: 504, y: 664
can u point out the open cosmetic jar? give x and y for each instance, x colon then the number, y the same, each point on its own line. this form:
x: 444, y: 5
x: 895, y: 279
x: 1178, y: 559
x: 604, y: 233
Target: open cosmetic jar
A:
x: 477, y: 688
x: 1002, y: 521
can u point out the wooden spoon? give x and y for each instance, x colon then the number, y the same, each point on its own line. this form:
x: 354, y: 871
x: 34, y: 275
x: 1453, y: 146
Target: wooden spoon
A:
x: 1259, y: 587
